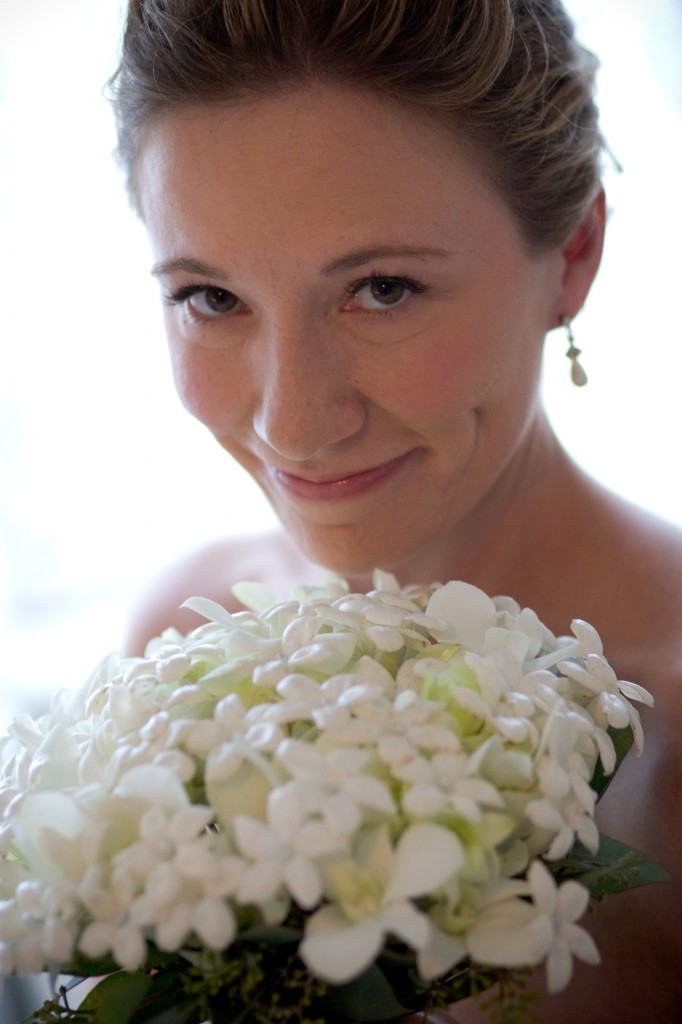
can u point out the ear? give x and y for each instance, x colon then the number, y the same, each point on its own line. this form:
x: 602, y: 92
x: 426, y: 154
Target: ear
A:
x: 581, y: 258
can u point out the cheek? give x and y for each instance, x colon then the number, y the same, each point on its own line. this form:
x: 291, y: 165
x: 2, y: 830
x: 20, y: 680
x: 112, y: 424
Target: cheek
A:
x: 207, y: 388
x: 449, y: 376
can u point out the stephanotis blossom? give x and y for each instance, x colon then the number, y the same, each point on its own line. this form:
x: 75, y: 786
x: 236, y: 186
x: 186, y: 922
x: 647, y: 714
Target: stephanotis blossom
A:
x: 371, y: 896
x: 394, y: 770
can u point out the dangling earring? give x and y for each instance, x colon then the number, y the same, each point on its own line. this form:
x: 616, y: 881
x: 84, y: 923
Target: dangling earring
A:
x: 578, y: 375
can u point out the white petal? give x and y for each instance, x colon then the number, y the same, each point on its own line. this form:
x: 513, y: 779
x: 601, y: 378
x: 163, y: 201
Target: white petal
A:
x: 48, y: 828
x: 440, y: 954
x: 509, y: 934
x: 385, y: 582
x: 172, y: 932
x: 425, y: 857
x: 423, y: 800
x: 575, y: 671
x: 607, y: 751
x: 297, y: 687
x: 587, y: 636
x: 260, y: 882
x: 96, y: 939
x: 211, y: 610
x: 370, y: 792
x: 467, y: 611
x: 164, y: 886
x: 581, y: 944
x: 404, y: 921
x: 336, y: 951
x: 329, y: 654
x: 615, y: 709
x: 129, y: 949
x: 287, y: 806
x: 303, y: 881
x: 471, y: 702
x: 635, y: 692
x: 385, y: 638
x: 196, y: 862
x: 341, y: 814
x: 214, y: 923
x: 559, y: 967
x: 244, y: 791
x: 544, y: 888
x: 155, y: 785
x: 299, y: 633
x: 572, y: 900
x: 515, y: 642
x: 588, y: 833
x: 254, y: 839
x: 58, y: 941
x: 189, y: 823
x: 636, y: 724
x: 545, y: 815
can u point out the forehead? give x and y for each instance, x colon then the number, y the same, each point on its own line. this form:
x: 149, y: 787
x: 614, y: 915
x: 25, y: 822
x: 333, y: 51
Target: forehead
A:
x: 311, y: 161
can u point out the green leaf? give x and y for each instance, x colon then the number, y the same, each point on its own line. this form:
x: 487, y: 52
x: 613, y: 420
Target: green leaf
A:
x: 275, y: 935
x: 116, y: 998
x: 615, y: 867
x: 367, y: 998
x: 133, y: 997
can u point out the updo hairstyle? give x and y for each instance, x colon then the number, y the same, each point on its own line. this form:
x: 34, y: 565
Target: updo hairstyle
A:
x: 506, y: 75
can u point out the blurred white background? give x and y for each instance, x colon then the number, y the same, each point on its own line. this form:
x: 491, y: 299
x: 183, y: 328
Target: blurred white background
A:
x: 104, y: 478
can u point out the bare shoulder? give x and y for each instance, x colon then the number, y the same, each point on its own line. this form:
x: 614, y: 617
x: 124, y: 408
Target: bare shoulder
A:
x: 632, y: 574
x: 210, y: 571
x: 627, y: 574
x: 643, y: 638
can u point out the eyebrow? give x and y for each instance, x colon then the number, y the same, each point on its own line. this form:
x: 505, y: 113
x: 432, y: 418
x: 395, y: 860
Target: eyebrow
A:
x: 186, y: 264
x: 362, y: 256
x: 350, y: 261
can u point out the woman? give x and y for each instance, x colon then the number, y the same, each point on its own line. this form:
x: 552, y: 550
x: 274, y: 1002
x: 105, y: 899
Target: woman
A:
x: 366, y: 216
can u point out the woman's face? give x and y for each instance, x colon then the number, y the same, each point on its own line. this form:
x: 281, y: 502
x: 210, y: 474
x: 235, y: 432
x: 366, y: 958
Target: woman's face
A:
x: 352, y: 311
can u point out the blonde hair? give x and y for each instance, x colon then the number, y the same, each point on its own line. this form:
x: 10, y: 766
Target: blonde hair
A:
x: 508, y: 75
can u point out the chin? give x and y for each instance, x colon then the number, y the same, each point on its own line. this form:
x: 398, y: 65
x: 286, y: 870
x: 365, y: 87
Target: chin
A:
x: 352, y: 551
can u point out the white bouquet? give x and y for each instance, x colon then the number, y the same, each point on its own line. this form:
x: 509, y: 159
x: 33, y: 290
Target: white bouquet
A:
x: 334, y: 807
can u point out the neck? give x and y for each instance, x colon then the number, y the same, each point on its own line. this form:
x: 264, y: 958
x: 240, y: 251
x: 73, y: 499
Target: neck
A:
x: 521, y: 535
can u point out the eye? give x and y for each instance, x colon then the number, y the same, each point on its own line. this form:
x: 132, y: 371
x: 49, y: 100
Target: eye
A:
x: 379, y: 293
x: 205, y: 301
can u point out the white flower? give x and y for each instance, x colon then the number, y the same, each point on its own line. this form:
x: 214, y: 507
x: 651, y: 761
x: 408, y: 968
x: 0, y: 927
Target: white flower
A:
x: 611, y: 705
x: 56, y: 835
x: 343, y: 790
x: 445, y: 781
x: 566, y: 802
x: 111, y: 929
x: 372, y: 897
x: 284, y: 850
x: 324, y: 703
x: 171, y: 883
x: 382, y: 765
x: 514, y: 932
x: 400, y: 729
x: 559, y: 908
x: 507, y: 930
x: 238, y: 780
x: 39, y: 926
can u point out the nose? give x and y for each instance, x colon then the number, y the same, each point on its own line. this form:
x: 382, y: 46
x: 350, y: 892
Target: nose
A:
x: 307, y: 398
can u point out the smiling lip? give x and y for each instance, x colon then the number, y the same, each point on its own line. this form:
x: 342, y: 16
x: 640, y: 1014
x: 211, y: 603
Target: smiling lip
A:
x: 341, y: 487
